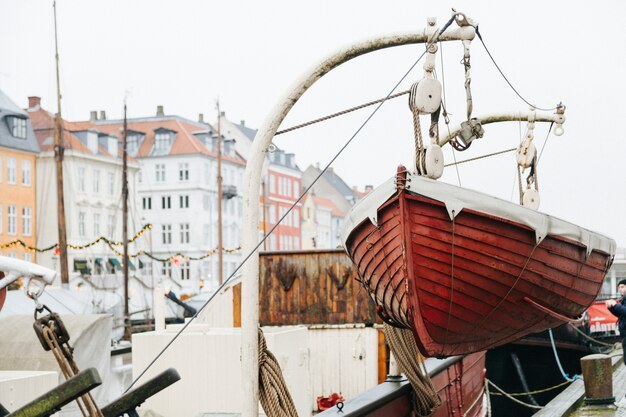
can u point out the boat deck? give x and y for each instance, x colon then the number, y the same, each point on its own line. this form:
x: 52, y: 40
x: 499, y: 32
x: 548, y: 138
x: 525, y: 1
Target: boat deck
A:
x: 570, y: 403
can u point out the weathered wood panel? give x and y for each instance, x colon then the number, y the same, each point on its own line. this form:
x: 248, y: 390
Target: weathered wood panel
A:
x: 311, y: 287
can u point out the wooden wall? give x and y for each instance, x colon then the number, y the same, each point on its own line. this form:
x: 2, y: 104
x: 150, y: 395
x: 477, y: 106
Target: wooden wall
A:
x: 311, y: 287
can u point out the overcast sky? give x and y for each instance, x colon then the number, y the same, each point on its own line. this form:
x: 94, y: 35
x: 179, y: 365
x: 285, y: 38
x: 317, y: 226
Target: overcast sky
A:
x: 186, y: 54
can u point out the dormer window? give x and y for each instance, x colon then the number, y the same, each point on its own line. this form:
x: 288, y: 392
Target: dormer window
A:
x: 17, y: 126
x: 162, y: 141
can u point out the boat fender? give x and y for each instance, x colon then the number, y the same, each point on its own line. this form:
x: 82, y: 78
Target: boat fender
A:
x: 427, y: 97
x: 530, y: 199
x: 434, y: 161
x: 526, y: 153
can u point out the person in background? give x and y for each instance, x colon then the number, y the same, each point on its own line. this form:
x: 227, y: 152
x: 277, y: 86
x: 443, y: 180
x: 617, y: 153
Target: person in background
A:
x: 618, y: 309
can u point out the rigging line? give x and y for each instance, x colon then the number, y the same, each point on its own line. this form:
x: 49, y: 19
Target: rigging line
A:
x: 340, y: 113
x: 545, y: 142
x: 287, y: 212
x: 446, y: 118
x: 480, y: 157
x: 506, y: 79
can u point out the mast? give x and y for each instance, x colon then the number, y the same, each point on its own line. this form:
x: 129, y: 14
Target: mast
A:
x: 220, y: 254
x: 58, y: 159
x: 125, y: 223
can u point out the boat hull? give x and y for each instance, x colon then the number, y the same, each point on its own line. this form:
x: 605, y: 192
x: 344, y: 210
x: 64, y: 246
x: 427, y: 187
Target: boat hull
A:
x: 470, y: 281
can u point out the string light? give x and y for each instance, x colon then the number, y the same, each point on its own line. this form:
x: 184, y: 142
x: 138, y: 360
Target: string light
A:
x: 112, y: 244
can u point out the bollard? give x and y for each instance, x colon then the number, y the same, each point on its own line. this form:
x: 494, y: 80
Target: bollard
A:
x: 598, y: 378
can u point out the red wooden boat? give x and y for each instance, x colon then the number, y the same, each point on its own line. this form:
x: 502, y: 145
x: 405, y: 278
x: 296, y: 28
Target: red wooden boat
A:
x: 467, y: 271
x: 461, y: 387
x: 3, y: 292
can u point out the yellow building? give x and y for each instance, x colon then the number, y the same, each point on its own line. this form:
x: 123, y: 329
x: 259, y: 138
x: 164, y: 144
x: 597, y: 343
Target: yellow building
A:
x: 18, y: 201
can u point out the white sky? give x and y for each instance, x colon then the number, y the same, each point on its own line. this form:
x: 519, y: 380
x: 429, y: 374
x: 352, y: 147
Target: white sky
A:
x: 185, y: 54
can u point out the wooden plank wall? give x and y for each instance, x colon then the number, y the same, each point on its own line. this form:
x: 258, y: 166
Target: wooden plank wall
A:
x: 311, y: 287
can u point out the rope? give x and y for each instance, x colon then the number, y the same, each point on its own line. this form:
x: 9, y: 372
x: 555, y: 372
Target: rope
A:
x: 510, y: 397
x: 488, y: 397
x: 273, y: 392
x: 404, y: 348
x: 340, y: 113
x: 64, y: 357
x: 558, y: 361
x: 539, y: 391
x: 504, y: 76
x: 480, y: 157
x: 451, y: 282
x: 445, y: 111
x: 420, y: 155
x: 586, y: 336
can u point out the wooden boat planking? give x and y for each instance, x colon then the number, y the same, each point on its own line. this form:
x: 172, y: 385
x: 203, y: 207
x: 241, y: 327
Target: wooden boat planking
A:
x: 473, y: 280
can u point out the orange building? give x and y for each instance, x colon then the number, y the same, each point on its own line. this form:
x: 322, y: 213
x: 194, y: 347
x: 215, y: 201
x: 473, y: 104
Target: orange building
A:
x: 18, y: 153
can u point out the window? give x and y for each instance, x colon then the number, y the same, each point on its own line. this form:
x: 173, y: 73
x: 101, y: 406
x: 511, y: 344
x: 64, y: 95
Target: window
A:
x: 132, y: 142
x: 296, y: 243
x: 25, y: 172
x: 96, y: 181
x: 184, y: 233
x: 81, y: 179
x: 110, y: 226
x: 296, y: 189
x: 110, y: 183
x: 166, y: 234
x: 185, y: 271
x: 272, y: 183
x: 160, y: 172
x: 27, y: 228
x: 147, y: 203
x: 162, y: 141
x: 166, y: 202
x: 272, y: 214
x: 17, y: 127
x: 139, y: 176
x: 296, y: 218
x: 166, y: 269
x: 183, y: 171
x: 184, y: 201
x: 28, y: 257
x: 147, y: 268
x: 81, y: 224
x: 288, y: 191
x: 11, y: 220
x: 1, y: 218
x: 11, y: 171
x: 96, y: 224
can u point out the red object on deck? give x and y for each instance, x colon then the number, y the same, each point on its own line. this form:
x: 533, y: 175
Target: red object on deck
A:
x: 471, y: 281
x: 324, y: 403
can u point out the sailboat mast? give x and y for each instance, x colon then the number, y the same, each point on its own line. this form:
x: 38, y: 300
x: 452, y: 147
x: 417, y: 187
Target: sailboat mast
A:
x: 58, y: 158
x: 219, y: 196
x: 125, y: 223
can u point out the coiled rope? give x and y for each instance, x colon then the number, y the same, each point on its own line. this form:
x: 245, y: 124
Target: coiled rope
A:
x: 411, y: 364
x: 273, y: 393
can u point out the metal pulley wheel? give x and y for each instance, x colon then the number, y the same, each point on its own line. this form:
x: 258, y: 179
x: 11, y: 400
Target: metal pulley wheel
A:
x: 525, y: 153
x: 427, y: 97
x: 530, y: 199
x: 434, y: 161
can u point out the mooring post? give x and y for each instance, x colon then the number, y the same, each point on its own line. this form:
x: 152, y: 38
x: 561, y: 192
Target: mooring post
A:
x: 598, y: 377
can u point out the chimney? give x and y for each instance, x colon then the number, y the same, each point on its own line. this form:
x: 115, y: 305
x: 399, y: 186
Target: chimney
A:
x: 200, y: 118
x: 34, y: 101
x: 222, y: 114
x: 160, y: 111
x: 355, y: 189
x: 93, y: 116
x: 369, y: 188
x: 103, y: 115
x: 243, y: 122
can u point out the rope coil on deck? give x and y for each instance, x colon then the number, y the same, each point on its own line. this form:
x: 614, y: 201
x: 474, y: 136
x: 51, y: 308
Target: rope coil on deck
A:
x: 273, y: 392
x: 411, y: 364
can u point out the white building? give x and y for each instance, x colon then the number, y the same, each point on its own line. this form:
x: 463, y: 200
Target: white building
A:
x: 177, y: 194
x: 92, y: 170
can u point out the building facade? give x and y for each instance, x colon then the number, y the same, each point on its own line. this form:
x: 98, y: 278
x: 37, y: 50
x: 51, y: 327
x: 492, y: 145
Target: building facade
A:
x: 177, y: 193
x: 92, y: 174
x: 18, y: 170
x: 281, y: 186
